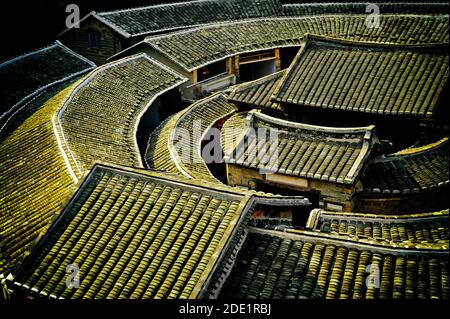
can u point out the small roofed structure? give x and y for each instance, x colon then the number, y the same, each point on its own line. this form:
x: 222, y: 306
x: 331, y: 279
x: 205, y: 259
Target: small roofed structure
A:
x: 324, y: 161
x: 377, y: 78
x: 139, y: 234
x: 413, y: 179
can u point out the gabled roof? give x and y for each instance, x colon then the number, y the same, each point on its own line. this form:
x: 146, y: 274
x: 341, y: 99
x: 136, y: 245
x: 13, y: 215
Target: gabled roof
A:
x: 278, y: 265
x: 195, y: 48
x: 174, y: 16
x: 315, y: 152
x: 257, y: 93
x: 387, y: 79
x: 413, y: 230
x: 170, y: 150
x: 27, y: 75
x: 100, y: 118
x: 300, y: 9
x: 413, y: 170
x: 135, y: 234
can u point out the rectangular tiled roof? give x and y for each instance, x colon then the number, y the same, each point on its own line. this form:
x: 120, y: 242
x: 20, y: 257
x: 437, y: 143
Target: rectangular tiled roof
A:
x: 323, y: 153
x: 135, y: 235
x: 371, y: 78
x: 100, y: 118
x: 418, y: 169
x: 25, y: 76
x: 198, y: 47
x: 171, y: 16
x: 273, y: 265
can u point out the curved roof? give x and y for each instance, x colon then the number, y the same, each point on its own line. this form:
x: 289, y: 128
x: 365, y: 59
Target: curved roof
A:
x: 36, y: 180
x: 177, y: 144
x: 302, y: 9
x: 419, y: 169
x: 388, y: 79
x: 414, y: 230
x: 278, y: 265
x: 100, y: 118
x: 308, y: 151
x: 173, y: 16
x: 25, y: 76
x: 198, y: 47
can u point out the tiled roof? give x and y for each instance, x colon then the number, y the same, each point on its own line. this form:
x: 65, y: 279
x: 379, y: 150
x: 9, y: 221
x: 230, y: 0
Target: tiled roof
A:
x: 233, y: 131
x: 385, y: 79
x: 414, y: 170
x: 23, y: 77
x: 100, y: 118
x: 36, y: 180
x: 167, y: 147
x: 257, y: 93
x: 198, y: 47
x: 136, y: 234
x: 273, y: 265
x: 423, y: 230
x: 323, y: 153
x: 303, y: 9
x: 172, y: 16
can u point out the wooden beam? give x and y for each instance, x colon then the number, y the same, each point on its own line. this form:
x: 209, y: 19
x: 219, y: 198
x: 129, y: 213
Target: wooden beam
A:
x: 277, y: 59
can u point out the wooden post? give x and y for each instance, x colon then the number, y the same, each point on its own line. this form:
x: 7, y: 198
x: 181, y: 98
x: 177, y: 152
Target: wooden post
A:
x: 236, y: 67
x: 277, y: 59
x: 194, y: 76
x: 231, y: 68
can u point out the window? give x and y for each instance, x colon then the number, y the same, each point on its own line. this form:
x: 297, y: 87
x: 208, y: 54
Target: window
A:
x: 93, y: 38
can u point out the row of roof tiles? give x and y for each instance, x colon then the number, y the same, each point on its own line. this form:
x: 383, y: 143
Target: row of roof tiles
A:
x: 137, y: 234
x: 25, y: 76
x: 387, y: 79
x: 419, y: 230
x: 153, y: 19
x: 274, y: 265
x: 201, y: 46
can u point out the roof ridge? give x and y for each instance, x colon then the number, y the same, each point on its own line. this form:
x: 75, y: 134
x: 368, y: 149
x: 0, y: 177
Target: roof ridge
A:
x: 314, y: 38
x: 159, y: 5
x: 421, y: 149
x: 324, y: 129
x: 26, y: 54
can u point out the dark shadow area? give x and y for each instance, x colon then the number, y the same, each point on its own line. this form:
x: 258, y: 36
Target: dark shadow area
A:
x: 162, y: 107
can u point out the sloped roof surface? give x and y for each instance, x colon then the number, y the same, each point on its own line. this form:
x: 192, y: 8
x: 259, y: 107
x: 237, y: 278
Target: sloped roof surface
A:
x: 363, y: 77
x: 172, y: 16
x: 276, y: 266
x: 198, y: 47
x: 419, y: 169
x: 25, y: 75
x: 101, y: 117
